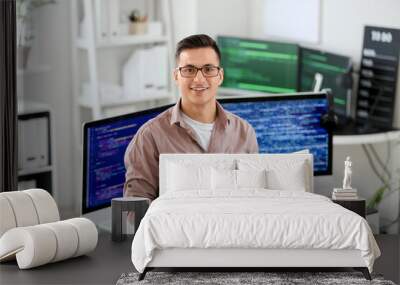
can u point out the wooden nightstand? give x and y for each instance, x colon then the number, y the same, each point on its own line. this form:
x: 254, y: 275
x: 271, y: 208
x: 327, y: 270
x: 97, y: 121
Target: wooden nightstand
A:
x: 357, y: 205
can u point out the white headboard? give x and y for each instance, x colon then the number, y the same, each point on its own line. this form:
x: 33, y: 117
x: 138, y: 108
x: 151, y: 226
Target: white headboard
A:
x: 210, y: 159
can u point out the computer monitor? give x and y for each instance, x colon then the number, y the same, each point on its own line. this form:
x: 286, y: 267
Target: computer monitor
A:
x: 104, y: 145
x: 336, y: 75
x: 283, y: 124
x: 288, y: 123
x: 258, y: 65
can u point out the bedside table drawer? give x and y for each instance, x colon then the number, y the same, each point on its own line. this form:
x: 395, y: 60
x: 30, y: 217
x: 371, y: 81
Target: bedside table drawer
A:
x: 357, y: 206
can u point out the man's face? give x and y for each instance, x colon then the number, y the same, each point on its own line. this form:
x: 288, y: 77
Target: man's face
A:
x: 198, y: 90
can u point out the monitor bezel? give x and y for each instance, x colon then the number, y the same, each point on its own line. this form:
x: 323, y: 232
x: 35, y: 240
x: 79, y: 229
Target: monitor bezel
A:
x: 292, y: 96
x: 95, y: 123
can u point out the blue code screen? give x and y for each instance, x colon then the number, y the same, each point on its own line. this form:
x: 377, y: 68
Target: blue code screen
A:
x: 105, y: 168
x: 284, y: 126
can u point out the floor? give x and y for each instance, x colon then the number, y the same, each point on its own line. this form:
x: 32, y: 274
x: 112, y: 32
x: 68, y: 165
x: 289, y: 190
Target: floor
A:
x: 110, y: 260
x: 389, y: 262
x: 102, y: 266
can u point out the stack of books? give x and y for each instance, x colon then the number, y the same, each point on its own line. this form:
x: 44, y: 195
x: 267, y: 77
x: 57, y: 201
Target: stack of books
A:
x: 344, y: 194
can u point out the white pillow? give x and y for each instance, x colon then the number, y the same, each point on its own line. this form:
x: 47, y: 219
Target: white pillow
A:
x: 225, y: 179
x: 251, y: 178
x: 282, y: 174
x: 200, y: 160
x: 288, y: 176
x: 182, y: 177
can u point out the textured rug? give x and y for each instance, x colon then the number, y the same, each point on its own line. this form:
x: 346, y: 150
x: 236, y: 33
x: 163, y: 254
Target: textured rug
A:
x: 229, y: 278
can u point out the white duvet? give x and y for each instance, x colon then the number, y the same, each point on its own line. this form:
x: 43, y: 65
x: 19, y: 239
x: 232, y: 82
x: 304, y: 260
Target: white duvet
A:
x: 253, y: 218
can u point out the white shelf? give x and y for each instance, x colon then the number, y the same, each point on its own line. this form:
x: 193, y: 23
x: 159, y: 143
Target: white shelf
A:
x: 122, y: 41
x: 29, y: 107
x: 35, y: 170
x: 366, y: 139
x: 34, y: 70
x: 85, y: 101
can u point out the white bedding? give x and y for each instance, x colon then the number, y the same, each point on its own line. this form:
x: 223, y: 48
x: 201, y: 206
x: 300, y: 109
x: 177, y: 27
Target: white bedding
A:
x: 251, y: 218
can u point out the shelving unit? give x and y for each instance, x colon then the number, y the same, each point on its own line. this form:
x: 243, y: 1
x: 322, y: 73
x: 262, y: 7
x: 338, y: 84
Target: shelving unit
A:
x: 42, y: 174
x: 93, y: 46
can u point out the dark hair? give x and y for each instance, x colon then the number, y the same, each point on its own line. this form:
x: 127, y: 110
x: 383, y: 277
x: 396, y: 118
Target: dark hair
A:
x: 197, y: 41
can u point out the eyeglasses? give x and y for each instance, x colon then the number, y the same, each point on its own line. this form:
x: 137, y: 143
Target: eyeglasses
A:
x: 190, y: 71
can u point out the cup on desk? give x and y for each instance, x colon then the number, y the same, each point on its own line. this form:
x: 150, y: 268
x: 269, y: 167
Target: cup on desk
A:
x: 127, y: 212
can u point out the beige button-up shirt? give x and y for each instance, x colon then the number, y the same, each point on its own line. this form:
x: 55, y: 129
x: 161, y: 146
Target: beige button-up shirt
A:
x: 168, y: 133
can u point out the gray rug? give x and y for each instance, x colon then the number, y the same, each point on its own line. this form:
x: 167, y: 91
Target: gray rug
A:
x: 229, y: 278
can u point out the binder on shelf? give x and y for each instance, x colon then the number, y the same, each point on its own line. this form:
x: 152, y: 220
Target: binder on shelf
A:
x: 43, y: 141
x: 114, y: 14
x: 31, y: 158
x: 145, y: 73
x: 159, y: 58
x: 108, y: 92
x: 133, y: 74
x: 33, y: 143
x: 107, y: 15
x: 102, y: 18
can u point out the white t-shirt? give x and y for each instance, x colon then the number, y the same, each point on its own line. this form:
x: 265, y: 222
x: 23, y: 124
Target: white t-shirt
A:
x: 203, y: 130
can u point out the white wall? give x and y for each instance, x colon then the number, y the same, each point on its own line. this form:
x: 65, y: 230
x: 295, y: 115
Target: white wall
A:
x: 185, y: 18
x: 51, y: 48
x: 342, y: 22
x: 222, y: 17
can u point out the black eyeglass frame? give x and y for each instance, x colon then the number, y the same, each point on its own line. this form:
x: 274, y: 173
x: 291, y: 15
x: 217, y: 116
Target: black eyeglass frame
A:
x: 197, y: 70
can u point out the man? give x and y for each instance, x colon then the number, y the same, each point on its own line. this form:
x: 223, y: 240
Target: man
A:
x: 196, y: 124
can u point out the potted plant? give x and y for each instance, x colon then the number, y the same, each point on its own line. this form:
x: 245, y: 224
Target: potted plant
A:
x: 383, y: 192
x: 25, y: 35
x: 138, y: 23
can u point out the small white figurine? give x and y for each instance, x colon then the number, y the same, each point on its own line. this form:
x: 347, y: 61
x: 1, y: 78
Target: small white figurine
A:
x: 347, y: 174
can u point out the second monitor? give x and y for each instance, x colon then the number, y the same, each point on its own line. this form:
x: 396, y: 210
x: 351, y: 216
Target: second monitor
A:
x: 336, y: 75
x: 258, y: 65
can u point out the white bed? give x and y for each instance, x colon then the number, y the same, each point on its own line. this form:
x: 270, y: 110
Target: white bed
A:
x: 198, y: 223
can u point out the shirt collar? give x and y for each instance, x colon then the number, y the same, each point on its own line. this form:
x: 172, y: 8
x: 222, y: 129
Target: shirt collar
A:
x: 177, y: 118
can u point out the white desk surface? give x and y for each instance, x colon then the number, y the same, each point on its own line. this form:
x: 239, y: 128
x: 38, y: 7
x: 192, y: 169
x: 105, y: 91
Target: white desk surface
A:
x: 366, y: 139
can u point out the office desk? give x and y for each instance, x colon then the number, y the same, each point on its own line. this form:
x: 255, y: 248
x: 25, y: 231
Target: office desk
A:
x: 102, y: 266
